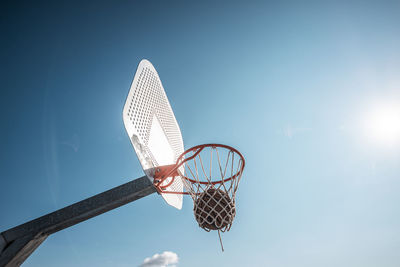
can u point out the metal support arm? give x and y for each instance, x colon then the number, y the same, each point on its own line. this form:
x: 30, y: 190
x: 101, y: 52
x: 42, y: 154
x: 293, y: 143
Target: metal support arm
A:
x: 16, y: 244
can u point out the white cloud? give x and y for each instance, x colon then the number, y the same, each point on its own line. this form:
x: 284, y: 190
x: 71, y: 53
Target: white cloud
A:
x: 73, y: 142
x: 165, y: 259
x: 289, y: 131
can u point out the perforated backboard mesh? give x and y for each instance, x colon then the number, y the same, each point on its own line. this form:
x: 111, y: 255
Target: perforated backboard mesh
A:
x: 152, y: 127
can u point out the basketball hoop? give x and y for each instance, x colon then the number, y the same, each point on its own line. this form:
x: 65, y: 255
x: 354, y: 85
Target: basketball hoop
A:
x: 210, y: 174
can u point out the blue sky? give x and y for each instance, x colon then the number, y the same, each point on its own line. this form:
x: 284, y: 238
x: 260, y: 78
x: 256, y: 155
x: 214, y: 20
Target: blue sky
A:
x: 292, y: 86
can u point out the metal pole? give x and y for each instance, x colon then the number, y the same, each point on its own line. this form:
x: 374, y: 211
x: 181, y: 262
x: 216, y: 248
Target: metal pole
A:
x: 16, y: 244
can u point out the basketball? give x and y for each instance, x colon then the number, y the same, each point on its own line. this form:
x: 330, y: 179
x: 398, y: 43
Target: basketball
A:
x: 214, y: 210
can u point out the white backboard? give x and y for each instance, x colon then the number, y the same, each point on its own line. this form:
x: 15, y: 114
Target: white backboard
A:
x: 152, y: 127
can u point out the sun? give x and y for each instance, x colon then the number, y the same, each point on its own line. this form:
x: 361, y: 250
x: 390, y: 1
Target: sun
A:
x: 382, y: 124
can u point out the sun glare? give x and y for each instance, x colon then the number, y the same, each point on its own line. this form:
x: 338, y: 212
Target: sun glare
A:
x: 382, y: 124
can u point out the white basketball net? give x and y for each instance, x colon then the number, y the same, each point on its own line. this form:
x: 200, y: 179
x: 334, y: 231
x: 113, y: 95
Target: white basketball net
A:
x: 211, y: 178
